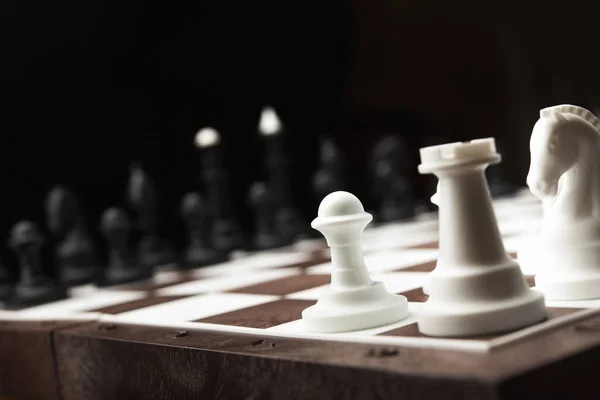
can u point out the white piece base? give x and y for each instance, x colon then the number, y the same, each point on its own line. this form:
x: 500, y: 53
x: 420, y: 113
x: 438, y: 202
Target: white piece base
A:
x: 355, y: 309
x: 472, y: 319
x: 568, y: 287
x: 426, y: 283
x: 569, y: 272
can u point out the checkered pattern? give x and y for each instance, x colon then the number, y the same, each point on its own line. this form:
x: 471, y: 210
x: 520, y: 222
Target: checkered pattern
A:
x: 265, y: 293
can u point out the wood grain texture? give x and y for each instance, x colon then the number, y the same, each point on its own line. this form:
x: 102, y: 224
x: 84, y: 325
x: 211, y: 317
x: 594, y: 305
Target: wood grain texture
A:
x: 27, y: 368
x: 96, y: 362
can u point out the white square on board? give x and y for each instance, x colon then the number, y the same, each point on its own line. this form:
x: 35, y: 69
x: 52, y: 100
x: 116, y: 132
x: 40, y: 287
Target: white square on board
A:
x: 386, y: 261
x: 224, y: 283
x: 99, y: 299
x: 194, y: 308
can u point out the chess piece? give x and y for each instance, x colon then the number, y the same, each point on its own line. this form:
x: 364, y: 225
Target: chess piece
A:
x: 226, y: 232
x: 499, y: 184
x: 396, y: 196
x: 122, y: 264
x: 329, y: 177
x: 198, y: 251
x: 476, y: 287
x: 353, y: 301
x: 565, y: 143
x: 392, y: 189
x: 153, y: 251
x: 262, y: 201
x: 75, y: 253
x: 34, y: 286
x: 288, y: 221
x: 431, y: 182
x: 6, y: 285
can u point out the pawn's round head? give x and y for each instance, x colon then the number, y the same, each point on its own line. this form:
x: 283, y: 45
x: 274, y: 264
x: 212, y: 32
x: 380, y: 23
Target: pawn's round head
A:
x: 207, y: 137
x: 25, y: 233
x: 114, y: 219
x: 340, y: 204
x: 341, y: 219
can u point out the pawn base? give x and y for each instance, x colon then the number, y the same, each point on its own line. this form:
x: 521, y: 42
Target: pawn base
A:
x: 356, y: 309
x: 267, y: 242
x: 483, y: 318
x: 6, y: 290
x: 74, y: 276
x: 154, y: 252
x: 122, y: 275
x: 202, y: 256
x: 44, y: 292
x: 156, y: 258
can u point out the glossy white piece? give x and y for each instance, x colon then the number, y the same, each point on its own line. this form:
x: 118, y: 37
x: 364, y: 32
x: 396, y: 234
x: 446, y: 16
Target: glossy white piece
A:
x: 207, y: 137
x: 435, y: 199
x: 269, y: 123
x: 476, y: 287
x: 353, y: 301
x: 565, y: 173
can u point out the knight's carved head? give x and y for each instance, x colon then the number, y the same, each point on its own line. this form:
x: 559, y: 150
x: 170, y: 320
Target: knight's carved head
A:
x: 554, y: 150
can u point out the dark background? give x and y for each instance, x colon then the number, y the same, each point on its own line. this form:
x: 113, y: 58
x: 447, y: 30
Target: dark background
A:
x: 87, y: 87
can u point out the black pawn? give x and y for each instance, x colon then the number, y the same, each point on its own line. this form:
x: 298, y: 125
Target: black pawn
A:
x: 325, y: 182
x: 498, y: 183
x: 76, y: 257
x: 198, y: 251
x: 261, y: 199
x: 226, y: 234
x: 330, y: 175
x: 153, y: 251
x: 392, y: 190
x: 396, y: 200
x: 122, y: 264
x: 34, y: 286
x: 6, y: 284
x: 288, y: 221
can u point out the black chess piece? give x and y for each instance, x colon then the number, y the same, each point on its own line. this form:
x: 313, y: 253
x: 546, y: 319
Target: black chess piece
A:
x: 153, y: 250
x: 392, y: 189
x: 226, y: 234
x: 396, y: 199
x: 331, y: 173
x: 122, y: 263
x: 288, y: 221
x: 326, y: 181
x: 330, y: 156
x: 498, y: 183
x: 76, y: 257
x: 198, y: 251
x: 34, y: 286
x: 6, y: 284
x: 261, y: 199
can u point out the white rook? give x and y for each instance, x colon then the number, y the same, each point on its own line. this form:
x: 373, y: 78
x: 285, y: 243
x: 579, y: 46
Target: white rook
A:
x: 476, y: 287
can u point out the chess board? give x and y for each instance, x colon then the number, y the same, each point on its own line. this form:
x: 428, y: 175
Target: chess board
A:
x: 234, y: 330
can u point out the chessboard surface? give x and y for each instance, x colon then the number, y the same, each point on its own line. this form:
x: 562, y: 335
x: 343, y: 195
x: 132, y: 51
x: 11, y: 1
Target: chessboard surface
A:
x: 265, y: 293
x: 262, y: 295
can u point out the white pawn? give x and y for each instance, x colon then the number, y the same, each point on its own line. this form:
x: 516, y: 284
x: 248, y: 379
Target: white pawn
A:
x: 353, y: 301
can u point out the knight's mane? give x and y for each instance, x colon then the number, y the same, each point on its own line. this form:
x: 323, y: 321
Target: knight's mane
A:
x: 570, y: 109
